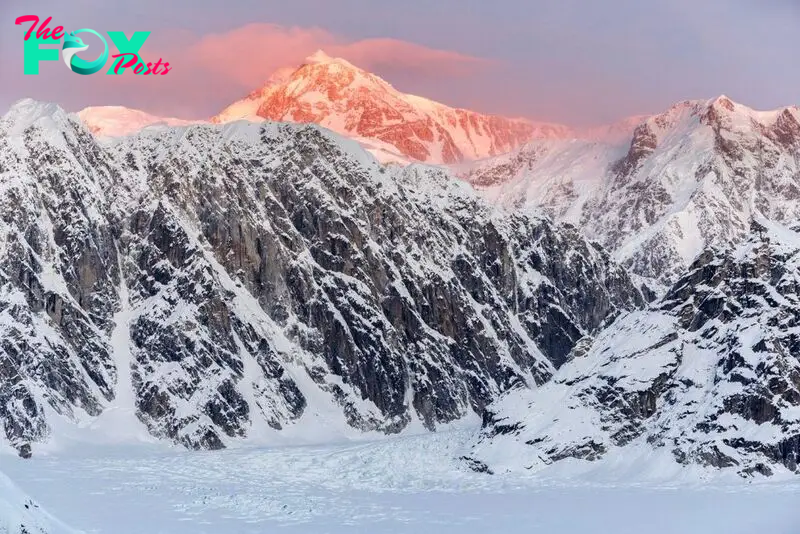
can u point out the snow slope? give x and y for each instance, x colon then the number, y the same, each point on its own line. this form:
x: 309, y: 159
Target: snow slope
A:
x: 19, y: 514
x: 405, y: 484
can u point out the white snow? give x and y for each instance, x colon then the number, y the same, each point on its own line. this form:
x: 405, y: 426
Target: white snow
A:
x: 20, y: 514
x: 410, y: 484
x: 118, y: 422
x: 116, y: 121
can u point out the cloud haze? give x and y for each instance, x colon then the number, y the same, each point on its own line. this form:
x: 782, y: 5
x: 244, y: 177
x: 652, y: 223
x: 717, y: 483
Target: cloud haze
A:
x: 249, y: 55
x: 575, y: 61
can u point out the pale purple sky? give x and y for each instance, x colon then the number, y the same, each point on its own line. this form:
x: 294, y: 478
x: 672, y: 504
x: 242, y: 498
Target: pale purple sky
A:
x: 572, y: 61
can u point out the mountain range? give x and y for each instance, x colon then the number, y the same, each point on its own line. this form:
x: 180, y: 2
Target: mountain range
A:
x: 394, y: 126
x: 211, y: 283
x: 627, y: 293
x: 686, y: 179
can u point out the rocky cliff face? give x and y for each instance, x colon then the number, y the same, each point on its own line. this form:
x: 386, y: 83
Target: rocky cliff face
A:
x: 709, y: 375
x: 215, y: 283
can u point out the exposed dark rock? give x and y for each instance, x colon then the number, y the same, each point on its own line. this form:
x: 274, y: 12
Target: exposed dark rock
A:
x: 25, y: 451
x: 477, y: 466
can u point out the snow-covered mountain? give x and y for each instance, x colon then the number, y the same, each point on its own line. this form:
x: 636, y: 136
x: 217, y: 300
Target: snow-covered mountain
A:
x: 393, y: 126
x: 212, y: 283
x: 114, y: 121
x: 335, y: 94
x: 690, y: 177
x: 708, y: 376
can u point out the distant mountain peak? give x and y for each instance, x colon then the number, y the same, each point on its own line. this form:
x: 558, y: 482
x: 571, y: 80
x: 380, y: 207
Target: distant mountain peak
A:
x: 320, y: 62
x: 724, y: 102
x: 393, y: 125
x: 689, y: 177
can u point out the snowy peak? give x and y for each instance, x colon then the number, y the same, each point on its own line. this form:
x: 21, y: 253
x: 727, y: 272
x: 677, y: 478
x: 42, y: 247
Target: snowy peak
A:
x: 344, y: 98
x: 331, y: 77
x: 689, y: 177
x: 720, y: 112
x: 724, y: 102
x: 319, y: 57
x: 679, y: 116
x: 103, y: 121
x: 691, y: 119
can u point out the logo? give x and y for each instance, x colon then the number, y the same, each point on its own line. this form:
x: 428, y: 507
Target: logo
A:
x: 73, y: 45
x: 127, y: 58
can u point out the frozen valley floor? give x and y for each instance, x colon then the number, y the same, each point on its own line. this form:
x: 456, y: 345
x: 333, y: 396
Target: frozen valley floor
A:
x: 406, y: 484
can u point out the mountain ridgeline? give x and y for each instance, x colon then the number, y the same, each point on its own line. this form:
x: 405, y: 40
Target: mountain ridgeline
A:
x: 219, y: 283
x: 686, y: 179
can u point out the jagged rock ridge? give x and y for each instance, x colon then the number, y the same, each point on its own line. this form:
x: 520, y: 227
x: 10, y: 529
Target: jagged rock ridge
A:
x: 215, y: 283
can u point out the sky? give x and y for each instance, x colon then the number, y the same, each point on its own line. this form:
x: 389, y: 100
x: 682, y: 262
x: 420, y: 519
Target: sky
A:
x: 578, y: 62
